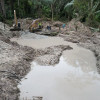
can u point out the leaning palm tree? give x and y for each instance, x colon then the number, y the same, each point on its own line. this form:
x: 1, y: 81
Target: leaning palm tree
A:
x: 69, y: 8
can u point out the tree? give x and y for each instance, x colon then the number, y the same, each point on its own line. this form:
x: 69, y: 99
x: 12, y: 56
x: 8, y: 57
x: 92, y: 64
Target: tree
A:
x: 3, y: 7
x: 51, y: 3
x: 69, y: 9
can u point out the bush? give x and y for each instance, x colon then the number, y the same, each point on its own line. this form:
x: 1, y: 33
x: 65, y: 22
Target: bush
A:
x: 9, y: 22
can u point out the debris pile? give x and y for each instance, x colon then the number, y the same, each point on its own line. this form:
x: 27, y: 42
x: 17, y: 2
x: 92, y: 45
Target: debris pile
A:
x: 14, y: 64
x: 50, y: 55
x: 78, y: 27
x: 25, y: 23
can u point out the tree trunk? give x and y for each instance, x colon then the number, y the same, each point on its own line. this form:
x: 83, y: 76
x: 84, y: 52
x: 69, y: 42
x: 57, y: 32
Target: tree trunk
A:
x: 52, y: 11
x: 12, y: 5
x: 3, y: 7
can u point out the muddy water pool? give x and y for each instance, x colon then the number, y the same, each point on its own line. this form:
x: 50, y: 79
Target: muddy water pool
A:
x: 60, y: 82
x: 75, y: 77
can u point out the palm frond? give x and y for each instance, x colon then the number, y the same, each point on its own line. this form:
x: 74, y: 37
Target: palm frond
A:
x: 97, y: 12
x: 95, y: 6
x: 69, y: 4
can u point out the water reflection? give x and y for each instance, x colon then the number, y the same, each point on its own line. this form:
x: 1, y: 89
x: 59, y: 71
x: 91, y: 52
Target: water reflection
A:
x: 61, y: 82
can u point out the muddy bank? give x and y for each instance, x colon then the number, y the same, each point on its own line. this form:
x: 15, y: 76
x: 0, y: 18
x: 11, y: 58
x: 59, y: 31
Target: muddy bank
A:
x: 6, y: 33
x: 90, y: 41
x: 62, y: 81
x: 15, y: 64
x: 18, y: 58
x: 50, y: 55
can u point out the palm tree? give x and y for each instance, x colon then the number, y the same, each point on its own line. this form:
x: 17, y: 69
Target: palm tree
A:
x: 69, y: 9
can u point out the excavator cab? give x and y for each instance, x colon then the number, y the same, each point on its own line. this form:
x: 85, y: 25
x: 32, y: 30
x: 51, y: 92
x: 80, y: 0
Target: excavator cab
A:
x: 36, y: 26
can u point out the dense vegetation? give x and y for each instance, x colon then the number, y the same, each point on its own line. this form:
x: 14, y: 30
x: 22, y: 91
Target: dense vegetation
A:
x: 85, y: 10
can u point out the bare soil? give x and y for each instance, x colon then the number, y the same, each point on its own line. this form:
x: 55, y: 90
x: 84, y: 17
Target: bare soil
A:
x: 15, y: 59
x: 15, y: 63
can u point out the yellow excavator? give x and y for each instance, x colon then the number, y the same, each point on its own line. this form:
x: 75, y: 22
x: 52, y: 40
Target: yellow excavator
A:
x: 17, y: 25
x: 36, y: 25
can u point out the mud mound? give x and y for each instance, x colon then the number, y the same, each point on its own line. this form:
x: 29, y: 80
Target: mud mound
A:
x: 50, y: 55
x: 58, y: 24
x: 14, y: 64
x: 25, y: 23
x: 4, y: 30
x: 78, y: 27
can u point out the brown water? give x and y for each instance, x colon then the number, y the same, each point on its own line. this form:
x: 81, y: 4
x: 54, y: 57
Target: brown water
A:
x: 75, y: 77
x: 62, y: 82
x: 76, y: 57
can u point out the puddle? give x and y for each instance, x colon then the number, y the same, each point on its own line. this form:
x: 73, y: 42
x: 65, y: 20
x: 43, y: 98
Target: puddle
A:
x: 75, y: 77
x: 41, y: 43
x: 78, y: 56
x: 60, y: 82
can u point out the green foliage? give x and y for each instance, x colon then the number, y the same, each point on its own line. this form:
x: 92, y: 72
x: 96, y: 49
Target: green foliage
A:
x: 1, y: 17
x: 97, y: 17
x: 9, y: 22
x: 81, y: 7
x: 86, y: 10
x: 69, y: 8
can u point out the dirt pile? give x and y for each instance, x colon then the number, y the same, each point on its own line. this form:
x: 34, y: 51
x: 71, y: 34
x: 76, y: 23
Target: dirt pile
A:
x: 72, y: 27
x: 50, y: 55
x: 25, y: 23
x: 14, y: 64
x: 4, y: 30
x: 55, y: 28
x: 78, y: 27
x: 6, y: 33
x: 83, y: 37
x: 58, y: 23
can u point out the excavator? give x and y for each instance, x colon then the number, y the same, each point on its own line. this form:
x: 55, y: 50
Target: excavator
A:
x: 36, y: 26
x: 17, y: 25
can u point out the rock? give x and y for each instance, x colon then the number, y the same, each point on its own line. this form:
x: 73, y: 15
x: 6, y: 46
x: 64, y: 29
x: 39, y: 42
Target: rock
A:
x: 47, y: 60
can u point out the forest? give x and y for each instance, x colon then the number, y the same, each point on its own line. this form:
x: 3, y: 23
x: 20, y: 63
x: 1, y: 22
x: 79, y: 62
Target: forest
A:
x: 87, y: 11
